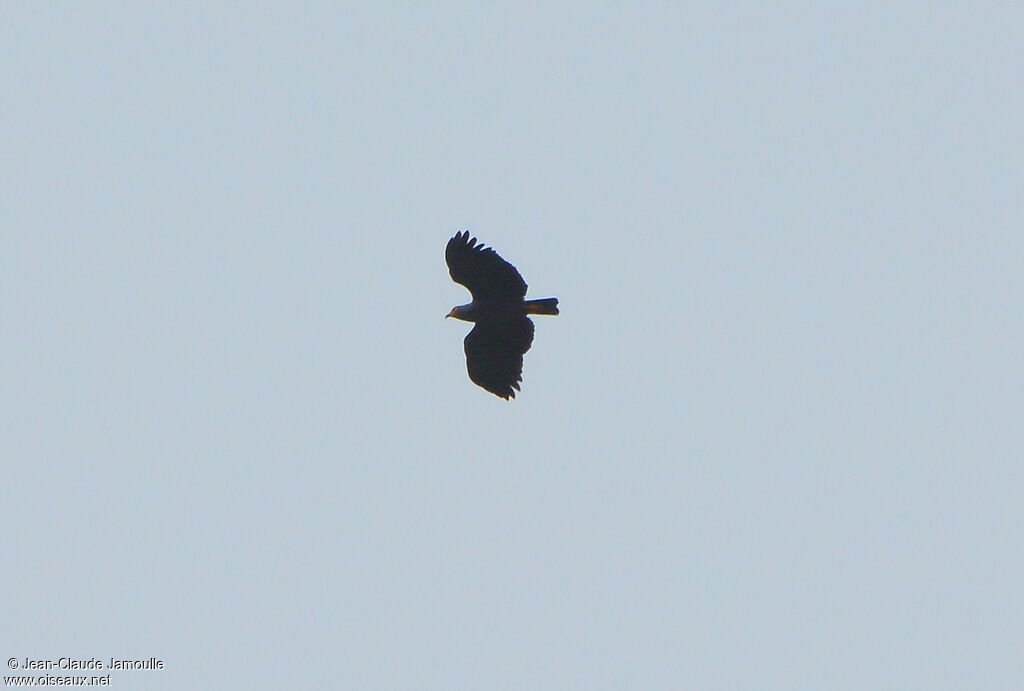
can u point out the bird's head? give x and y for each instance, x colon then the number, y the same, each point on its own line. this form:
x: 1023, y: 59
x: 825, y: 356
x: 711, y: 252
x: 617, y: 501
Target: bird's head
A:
x: 463, y: 312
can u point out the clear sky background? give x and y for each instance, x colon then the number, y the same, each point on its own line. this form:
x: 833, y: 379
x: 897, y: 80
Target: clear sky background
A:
x: 773, y: 441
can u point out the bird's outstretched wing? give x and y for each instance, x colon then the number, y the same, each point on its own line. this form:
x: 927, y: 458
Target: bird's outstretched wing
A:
x: 488, y: 277
x: 494, y: 354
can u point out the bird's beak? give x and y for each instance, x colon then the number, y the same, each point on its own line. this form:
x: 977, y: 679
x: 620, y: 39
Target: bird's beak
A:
x: 450, y: 314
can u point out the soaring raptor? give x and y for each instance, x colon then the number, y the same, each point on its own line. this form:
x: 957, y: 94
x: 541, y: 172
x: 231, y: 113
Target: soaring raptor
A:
x: 503, y: 333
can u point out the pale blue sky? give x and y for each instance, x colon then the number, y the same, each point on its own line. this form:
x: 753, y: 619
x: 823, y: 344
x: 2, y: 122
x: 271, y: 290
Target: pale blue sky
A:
x: 773, y: 441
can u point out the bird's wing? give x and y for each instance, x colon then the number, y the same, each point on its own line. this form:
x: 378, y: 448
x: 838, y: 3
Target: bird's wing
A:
x: 494, y: 354
x: 488, y: 277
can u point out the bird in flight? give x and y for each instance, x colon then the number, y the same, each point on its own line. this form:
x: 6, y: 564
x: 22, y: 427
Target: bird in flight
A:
x: 503, y: 333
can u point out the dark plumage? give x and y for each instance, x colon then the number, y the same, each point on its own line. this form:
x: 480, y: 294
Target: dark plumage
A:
x: 503, y: 333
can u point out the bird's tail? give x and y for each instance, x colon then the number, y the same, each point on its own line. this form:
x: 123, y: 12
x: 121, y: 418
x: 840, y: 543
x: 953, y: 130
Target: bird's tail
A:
x: 542, y: 306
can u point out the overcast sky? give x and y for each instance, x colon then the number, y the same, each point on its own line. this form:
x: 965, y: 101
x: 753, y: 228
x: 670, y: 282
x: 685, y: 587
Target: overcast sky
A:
x: 773, y: 441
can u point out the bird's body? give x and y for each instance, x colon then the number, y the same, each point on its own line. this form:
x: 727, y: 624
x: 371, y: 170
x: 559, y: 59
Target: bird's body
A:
x: 503, y: 333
